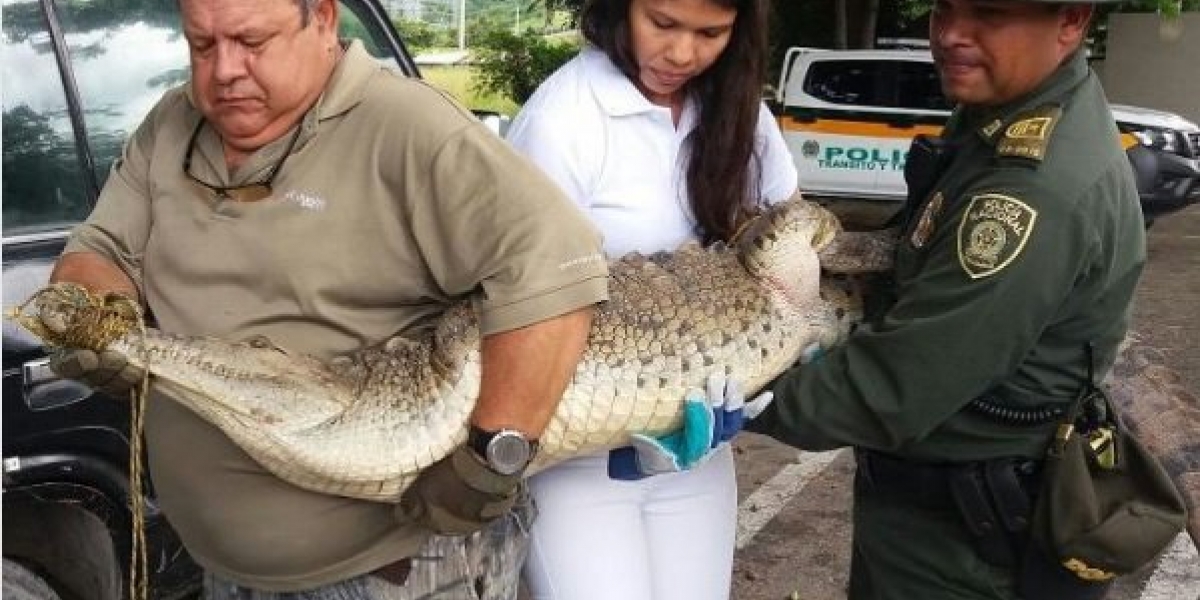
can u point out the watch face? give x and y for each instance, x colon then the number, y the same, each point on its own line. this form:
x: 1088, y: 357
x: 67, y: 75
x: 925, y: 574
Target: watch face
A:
x: 508, y: 452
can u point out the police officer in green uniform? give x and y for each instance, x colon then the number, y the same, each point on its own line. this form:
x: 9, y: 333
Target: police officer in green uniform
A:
x: 1014, y: 275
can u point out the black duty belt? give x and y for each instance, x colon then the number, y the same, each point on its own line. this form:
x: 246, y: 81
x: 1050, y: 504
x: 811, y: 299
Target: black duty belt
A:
x: 920, y: 484
x: 994, y: 498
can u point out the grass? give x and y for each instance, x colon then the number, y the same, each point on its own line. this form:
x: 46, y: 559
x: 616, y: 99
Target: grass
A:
x: 456, y: 80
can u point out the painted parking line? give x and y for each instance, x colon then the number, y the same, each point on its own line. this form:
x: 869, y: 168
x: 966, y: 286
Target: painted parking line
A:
x: 761, y: 506
x: 1177, y: 576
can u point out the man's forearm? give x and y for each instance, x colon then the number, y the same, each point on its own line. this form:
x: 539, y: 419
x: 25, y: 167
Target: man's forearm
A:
x: 93, y: 272
x: 526, y: 370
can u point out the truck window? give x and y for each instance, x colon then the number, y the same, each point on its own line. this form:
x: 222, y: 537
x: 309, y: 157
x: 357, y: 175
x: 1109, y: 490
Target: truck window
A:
x: 844, y: 81
x: 876, y: 83
x: 917, y: 87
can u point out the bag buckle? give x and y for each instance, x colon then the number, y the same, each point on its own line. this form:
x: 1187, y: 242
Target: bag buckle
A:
x: 1086, y: 573
x: 1102, y: 442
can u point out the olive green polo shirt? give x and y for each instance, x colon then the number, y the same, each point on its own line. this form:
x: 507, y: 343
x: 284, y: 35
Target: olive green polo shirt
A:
x: 394, y: 204
x: 1028, y: 247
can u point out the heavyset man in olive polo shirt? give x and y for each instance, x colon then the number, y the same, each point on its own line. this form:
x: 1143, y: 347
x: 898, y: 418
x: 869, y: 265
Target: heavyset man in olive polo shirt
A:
x: 1024, y: 246
x: 299, y: 191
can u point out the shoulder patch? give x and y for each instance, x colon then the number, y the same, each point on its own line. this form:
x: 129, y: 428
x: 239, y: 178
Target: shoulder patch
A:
x: 993, y: 232
x: 991, y: 128
x: 1029, y: 134
x: 928, y: 220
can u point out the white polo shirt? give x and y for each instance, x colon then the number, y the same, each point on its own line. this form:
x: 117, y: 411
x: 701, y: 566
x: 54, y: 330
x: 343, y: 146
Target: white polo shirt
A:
x: 622, y: 159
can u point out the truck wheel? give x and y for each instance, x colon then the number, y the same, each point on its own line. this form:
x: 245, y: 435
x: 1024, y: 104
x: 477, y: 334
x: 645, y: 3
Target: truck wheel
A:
x: 20, y: 583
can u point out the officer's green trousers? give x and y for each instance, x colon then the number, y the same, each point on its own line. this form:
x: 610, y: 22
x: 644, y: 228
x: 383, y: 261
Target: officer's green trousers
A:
x: 907, y: 552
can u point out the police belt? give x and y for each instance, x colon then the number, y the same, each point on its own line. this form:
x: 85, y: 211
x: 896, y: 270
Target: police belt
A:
x: 994, y: 497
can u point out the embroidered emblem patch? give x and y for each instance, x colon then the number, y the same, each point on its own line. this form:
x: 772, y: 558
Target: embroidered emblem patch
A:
x: 925, y: 225
x: 1028, y: 137
x: 1029, y: 129
x: 992, y: 233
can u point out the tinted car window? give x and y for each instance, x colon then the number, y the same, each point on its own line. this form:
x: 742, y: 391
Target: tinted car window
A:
x: 843, y: 81
x: 123, y: 57
x: 881, y: 83
x: 44, y: 183
x: 124, y: 60
x: 351, y: 27
x: 917, y: 87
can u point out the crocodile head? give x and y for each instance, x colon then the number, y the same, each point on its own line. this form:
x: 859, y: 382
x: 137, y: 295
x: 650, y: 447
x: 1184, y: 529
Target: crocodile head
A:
x: 252, y: 381
x: 68, y: 315
x: 779, y: 248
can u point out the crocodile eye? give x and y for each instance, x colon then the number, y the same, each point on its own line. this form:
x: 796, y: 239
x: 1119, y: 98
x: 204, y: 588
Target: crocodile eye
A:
x: 259, y: 341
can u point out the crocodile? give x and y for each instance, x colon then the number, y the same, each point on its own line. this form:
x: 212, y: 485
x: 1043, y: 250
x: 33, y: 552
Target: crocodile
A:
x: 366, y: 424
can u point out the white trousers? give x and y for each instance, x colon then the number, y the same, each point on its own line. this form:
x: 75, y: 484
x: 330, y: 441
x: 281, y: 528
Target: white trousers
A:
x: 666, y: 537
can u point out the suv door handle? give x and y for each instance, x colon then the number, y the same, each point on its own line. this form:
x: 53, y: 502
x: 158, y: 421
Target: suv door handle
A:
x: 37, y: 372
x: 45, y: 390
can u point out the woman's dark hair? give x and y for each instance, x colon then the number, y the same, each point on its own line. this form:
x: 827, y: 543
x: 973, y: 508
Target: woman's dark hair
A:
x: 723, y: 172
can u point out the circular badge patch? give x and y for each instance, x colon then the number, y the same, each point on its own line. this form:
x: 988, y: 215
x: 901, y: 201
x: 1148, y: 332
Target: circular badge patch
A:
x: 992, y: 233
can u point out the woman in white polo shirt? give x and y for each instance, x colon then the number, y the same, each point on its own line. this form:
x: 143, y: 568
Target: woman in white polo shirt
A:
x: 658, y: 132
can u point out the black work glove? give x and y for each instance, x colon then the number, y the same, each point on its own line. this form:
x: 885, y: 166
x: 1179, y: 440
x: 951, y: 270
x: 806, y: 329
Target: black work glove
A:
x: 105, y: 371
x: 459, y: 495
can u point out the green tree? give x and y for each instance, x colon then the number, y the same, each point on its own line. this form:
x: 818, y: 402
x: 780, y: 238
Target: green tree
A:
x: 514, y: 65
x: 422, y: 35
x: 570, y: 7
x: 855, y: 23
x: 1098, y: 38
x: 917, y: 8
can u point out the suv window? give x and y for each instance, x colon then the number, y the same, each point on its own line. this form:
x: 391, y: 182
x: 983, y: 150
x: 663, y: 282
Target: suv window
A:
x: 350, y: 26
x: 123, y: 63
x: 44, y: 183
x: 885, y: 84
x: 122, y: 60
x: 123, y: 57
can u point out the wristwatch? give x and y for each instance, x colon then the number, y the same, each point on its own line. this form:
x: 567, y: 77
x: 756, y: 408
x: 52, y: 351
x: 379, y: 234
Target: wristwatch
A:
x: 506, y: 451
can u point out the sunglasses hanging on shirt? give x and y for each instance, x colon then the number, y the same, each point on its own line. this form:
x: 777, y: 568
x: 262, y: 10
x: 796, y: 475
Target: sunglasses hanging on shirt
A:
x: 249, y: 192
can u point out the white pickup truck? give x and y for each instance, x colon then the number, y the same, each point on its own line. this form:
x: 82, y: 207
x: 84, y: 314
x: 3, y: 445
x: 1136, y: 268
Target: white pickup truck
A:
x: 848, y: 117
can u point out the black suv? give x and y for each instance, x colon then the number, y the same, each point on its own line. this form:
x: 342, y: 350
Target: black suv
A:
x: 78, y: 78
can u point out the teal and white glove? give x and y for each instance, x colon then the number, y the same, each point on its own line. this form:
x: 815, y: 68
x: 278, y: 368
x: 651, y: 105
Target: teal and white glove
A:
x: 813, y: 353
x: 709, y: 420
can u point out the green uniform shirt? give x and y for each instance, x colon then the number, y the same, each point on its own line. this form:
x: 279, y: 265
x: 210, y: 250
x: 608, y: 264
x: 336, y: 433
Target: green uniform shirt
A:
x: 1029, y: 246
x: 394, y: 203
